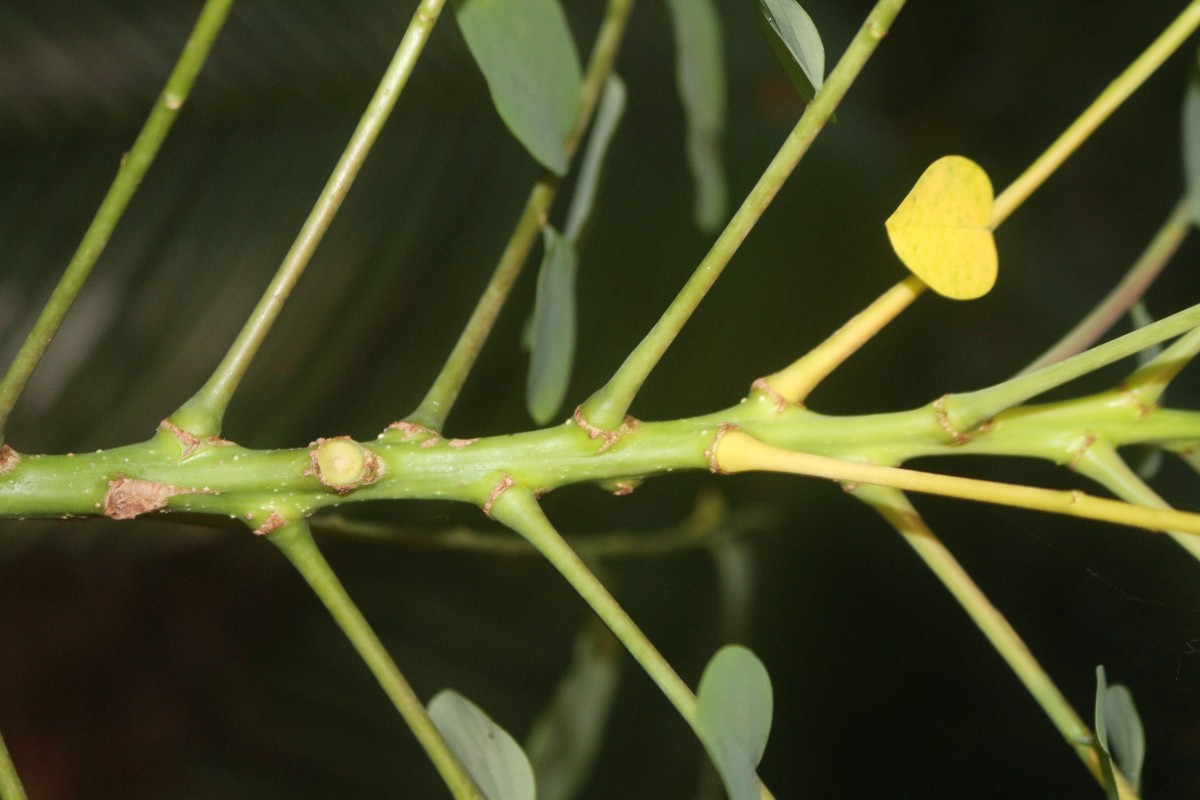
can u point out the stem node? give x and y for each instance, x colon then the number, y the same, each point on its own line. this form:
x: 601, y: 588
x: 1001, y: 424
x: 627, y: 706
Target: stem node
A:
x: 505, y: 483
x: 342, y: 464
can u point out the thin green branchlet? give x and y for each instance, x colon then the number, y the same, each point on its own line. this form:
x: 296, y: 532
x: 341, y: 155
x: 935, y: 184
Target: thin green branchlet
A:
x: 794, y: 383
x: 517, y: 507
x: 134, y: 166
x: 607, y: 407
x: 202, y: 414
x: 295, y: 540
x: 1104, y: 465
x: 894, y: 507
x: 1095, y: 114
x: 1162, y: 247
x: 433, y: 409
x: 964, y: 411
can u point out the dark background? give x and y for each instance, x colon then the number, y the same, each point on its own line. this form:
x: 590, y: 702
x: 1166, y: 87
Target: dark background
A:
x: 155, y: 660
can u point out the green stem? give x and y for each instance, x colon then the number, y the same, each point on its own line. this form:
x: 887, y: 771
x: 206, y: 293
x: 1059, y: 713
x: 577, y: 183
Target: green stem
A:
x: 202, y: 414
x: 969, y: 409
x: 518, y: 508
x: 295, y: 540
x: 438, y: 401
x: 129, y: 176
x: 606, y: 409
x: 10, y: 781
x: 1151, y: 380
x: 220, y: 478
x: 739, y: 452
x: 797, y: 380
x: 1103, y: 464
x: 900, y: 514
x: 1109, y: 100
x: 1137, y: 280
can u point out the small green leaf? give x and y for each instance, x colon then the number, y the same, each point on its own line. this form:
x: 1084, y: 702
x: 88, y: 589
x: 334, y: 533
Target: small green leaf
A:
x: 566, y: 738
x: 1191, y: 146
x: 700, y: 77
x: 549, y: 332
x: 1126, y: 736
x: 1108, y: 781
x: 491, y: 757
x: 608, y: 115
x: 796, y: 43
x: 733, y: 718
x: 1119, y: 728
x: 553, y: 341
x: 528, y: 58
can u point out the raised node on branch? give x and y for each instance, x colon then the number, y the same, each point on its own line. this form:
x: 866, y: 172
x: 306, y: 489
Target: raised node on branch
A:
x: 505, y: 483
x: 343, y: 464
x: 609, y: 438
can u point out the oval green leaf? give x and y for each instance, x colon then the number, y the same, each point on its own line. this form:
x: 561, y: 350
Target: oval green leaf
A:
x: 700, y: 78
x: 608, y: 115
x: 491, y: 757
x: 552, y: 339
x: 796, y: 43
x: 1108, y: 781
x: 733, y: 718
x: 1119, y: 728
x: 525, y: 51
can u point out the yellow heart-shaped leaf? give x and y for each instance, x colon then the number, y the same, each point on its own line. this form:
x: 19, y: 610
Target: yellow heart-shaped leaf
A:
x: 941, y: 231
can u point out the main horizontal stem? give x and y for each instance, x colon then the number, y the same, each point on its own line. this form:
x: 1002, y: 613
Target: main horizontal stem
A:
x: 221, y: 478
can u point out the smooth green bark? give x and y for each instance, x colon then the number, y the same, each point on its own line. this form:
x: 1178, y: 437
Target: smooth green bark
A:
x: 222, y: 478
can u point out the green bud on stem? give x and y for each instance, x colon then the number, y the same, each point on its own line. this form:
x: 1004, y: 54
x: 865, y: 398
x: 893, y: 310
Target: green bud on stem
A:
x: 343, y: 464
